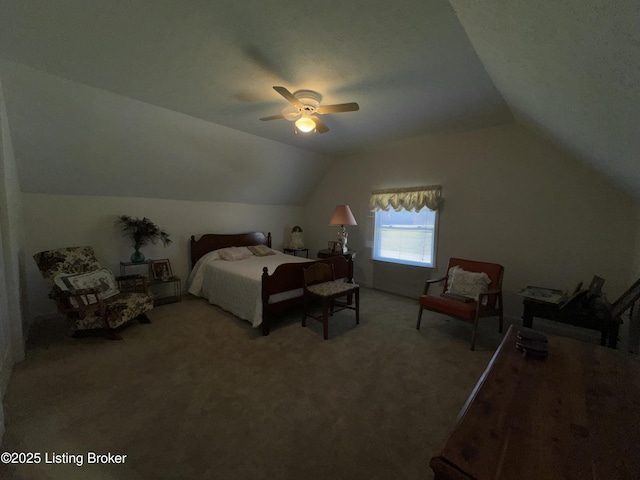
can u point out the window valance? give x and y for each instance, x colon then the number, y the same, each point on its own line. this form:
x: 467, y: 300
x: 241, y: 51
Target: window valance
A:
x: 408, y: 198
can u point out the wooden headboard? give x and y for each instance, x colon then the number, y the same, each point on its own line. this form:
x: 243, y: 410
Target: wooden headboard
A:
x: 211, y: 241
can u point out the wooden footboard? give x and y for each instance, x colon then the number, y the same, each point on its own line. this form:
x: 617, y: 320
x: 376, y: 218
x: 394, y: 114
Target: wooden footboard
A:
x: 288, y: 277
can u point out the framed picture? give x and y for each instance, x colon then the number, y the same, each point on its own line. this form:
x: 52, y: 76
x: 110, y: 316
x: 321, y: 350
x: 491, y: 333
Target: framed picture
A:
x: 161, y: 269
x: 332, y: 247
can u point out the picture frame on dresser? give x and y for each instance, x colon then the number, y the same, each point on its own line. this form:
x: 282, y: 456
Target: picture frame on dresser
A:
x: 161, y: 269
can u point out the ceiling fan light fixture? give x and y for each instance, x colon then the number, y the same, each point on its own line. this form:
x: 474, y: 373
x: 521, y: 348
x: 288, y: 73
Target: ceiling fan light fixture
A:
x: 303, y: 108
x: 305, y: 124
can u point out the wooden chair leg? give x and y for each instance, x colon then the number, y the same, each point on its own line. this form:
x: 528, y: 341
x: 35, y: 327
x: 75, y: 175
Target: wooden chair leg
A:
x: 325, y: 318
x: 142, y: 318
x: 419, y: 318
x: 357, y: 307
x: 305, y: 305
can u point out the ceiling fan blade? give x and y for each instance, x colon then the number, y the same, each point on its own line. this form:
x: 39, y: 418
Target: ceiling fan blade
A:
x: 289, y: 96
x: 272, y: 117
x: 320, y: 126
x: 341, y: 107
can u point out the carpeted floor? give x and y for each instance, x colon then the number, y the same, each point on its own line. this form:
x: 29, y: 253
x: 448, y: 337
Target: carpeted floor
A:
x: 199, y: 394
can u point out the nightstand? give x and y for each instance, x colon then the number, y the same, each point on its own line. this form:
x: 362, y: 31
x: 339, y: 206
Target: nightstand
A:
x: 295, y: 251
x: 163, y: 291
x: 326, y: 253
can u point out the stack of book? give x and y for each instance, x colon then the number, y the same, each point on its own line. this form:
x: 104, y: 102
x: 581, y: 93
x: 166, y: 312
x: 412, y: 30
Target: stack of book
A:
x: 543, y: 294
x: 532, y: 344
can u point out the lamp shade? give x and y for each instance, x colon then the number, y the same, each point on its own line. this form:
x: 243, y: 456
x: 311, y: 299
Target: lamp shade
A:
x: 342, y: 216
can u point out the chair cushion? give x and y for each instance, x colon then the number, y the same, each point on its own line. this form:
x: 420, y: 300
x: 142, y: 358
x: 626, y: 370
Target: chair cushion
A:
x: 447, y: 306
x: 119, y: 310
x: 493, y: 270
x: 467, y: 284
x: 329, y: 289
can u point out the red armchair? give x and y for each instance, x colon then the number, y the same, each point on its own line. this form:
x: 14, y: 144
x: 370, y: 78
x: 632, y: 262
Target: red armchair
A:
x: 470, y: 298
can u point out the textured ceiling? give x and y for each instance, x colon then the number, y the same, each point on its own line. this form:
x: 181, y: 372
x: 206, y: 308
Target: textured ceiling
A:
x: 408, y: 64
x: 151, y: 81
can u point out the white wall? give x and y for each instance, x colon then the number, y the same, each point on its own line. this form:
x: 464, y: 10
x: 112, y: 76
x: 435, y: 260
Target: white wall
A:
x: 509, y: 197
x: 55, y: 221
x: 11, y: 255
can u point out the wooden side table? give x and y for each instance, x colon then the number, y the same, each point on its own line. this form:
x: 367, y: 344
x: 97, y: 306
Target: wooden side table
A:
x: 164, y: 291
x: 326, y: 253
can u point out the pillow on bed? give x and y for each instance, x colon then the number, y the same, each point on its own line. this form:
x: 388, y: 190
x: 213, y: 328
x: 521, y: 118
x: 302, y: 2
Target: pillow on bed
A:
x: 261, y: 250
x: 468, y: 284
x: 209, y: 257
x: 232, y: 254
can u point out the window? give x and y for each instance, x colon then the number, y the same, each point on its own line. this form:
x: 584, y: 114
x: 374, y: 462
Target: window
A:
x: 406, y: 237
x: 405, y: 225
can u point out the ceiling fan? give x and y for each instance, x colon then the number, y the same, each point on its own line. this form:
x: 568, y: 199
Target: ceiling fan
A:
x: 305, y: 108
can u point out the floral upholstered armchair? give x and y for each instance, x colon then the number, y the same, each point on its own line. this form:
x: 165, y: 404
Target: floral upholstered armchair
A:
x: 89, y: 294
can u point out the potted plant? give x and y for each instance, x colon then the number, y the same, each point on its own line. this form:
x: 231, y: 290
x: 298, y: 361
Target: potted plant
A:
x: 141, y: 232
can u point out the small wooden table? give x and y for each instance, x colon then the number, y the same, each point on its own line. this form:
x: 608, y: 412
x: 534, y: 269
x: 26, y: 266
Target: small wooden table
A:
x: 574, y: 415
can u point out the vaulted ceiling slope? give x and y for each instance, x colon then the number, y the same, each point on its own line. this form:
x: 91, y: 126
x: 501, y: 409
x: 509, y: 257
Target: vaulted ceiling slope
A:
x: 70, y: 138
x: 163, y: 90
x: 570, y: 70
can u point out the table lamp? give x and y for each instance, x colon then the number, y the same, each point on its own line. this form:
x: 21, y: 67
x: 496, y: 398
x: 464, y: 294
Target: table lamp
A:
x: 342, y: 216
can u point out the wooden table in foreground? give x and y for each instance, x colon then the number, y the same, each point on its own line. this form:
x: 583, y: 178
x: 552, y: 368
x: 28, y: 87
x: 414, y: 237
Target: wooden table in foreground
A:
x: 575, y: 415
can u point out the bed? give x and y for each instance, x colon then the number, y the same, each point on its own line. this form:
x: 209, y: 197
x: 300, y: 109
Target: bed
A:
x: 254, y: 288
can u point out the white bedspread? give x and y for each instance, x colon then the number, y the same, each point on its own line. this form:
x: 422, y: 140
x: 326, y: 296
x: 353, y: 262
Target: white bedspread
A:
x: 237, y: 286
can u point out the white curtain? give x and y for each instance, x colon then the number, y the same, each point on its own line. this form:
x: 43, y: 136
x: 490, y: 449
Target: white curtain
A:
x: 408, y: 198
